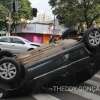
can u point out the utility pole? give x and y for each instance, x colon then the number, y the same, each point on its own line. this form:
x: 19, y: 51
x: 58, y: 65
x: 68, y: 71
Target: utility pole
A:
x: 15, y: 10
x: 53, y: 30
x: 8, y: 20
x: 13, y: 7
x: 9, y: 23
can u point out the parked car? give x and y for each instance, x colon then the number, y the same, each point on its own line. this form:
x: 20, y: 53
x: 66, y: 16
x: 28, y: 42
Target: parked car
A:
x: 16, y: 44
x: 69, y: 32
x: 70, y: 61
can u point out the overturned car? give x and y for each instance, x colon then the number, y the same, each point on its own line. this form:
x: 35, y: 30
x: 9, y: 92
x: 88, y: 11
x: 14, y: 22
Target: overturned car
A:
x: 69, y: 60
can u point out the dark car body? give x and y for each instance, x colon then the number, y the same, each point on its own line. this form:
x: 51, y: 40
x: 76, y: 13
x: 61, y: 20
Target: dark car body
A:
x: 70, y: 61
x: 60, y: 62
x: 74, y: 62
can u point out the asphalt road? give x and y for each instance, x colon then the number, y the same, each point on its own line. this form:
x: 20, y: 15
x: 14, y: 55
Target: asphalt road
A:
x: 90, y: 90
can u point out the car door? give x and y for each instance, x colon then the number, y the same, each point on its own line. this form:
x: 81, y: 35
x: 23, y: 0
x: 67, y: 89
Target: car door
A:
x: 18, y: 46
x: 79, y: 59
x: 5, y: 43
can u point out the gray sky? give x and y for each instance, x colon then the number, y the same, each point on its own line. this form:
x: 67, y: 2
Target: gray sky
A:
x: 42, y: 6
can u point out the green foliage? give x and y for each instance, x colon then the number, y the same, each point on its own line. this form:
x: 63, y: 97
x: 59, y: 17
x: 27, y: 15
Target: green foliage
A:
x: 72, y: 12
x: 6, y: 3
x: 25, y: 11
x: 3, y: 15
x: 3, y: 12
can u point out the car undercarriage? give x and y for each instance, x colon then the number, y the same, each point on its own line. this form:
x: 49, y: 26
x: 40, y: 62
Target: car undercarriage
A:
x: 70, y: 61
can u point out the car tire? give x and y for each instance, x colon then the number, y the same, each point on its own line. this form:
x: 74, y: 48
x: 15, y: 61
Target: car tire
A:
x: 5, y: 54
x: 9, y: 70
x: 92, y: 39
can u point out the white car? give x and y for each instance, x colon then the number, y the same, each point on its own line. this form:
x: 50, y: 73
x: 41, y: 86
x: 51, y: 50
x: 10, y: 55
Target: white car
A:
x: 16, y: 44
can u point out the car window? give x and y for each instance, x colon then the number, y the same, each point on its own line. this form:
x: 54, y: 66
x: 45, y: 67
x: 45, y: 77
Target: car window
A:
x: 4, y: 40
x: 35, y: 45
x: 27, y: 40
x: 78, y: 54
x: 16, y: 40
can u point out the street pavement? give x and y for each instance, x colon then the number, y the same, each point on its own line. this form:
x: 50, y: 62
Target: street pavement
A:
x: 90, y: 90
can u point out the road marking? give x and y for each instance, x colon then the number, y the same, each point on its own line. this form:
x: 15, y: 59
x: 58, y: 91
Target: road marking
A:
x: 94, y: 83
x: 97, y: 76
x: 45, y: 97
x: 85, y: 94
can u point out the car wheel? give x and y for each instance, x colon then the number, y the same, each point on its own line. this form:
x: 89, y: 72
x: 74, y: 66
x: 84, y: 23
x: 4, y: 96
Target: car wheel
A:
x: 9, y: 70
x: 5, y: 54
x: 92, y: 38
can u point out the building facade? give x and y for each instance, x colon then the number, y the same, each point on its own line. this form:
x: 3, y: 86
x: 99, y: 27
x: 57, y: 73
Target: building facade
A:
x: 37, y: 32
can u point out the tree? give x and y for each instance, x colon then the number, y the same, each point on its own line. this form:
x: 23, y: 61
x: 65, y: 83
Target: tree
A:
x: 25, y: 10
x: 6, y: 7
x: 3, y: 14
x: 72, y: 12
x: 6, y: 3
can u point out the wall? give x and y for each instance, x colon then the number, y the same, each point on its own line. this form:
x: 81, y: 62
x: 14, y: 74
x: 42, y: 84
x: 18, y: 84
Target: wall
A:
x: 38, y: 38
x: 33, y: 28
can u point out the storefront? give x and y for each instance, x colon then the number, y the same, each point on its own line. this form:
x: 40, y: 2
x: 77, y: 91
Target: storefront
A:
x: 35, y: 32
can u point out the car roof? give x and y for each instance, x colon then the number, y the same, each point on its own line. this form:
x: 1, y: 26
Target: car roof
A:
x: 14, y: 37
x: 20, y: 38
x: 11, y: 37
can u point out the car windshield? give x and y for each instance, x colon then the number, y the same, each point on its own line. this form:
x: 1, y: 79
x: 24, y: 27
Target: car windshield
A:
x: 27, y: 41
